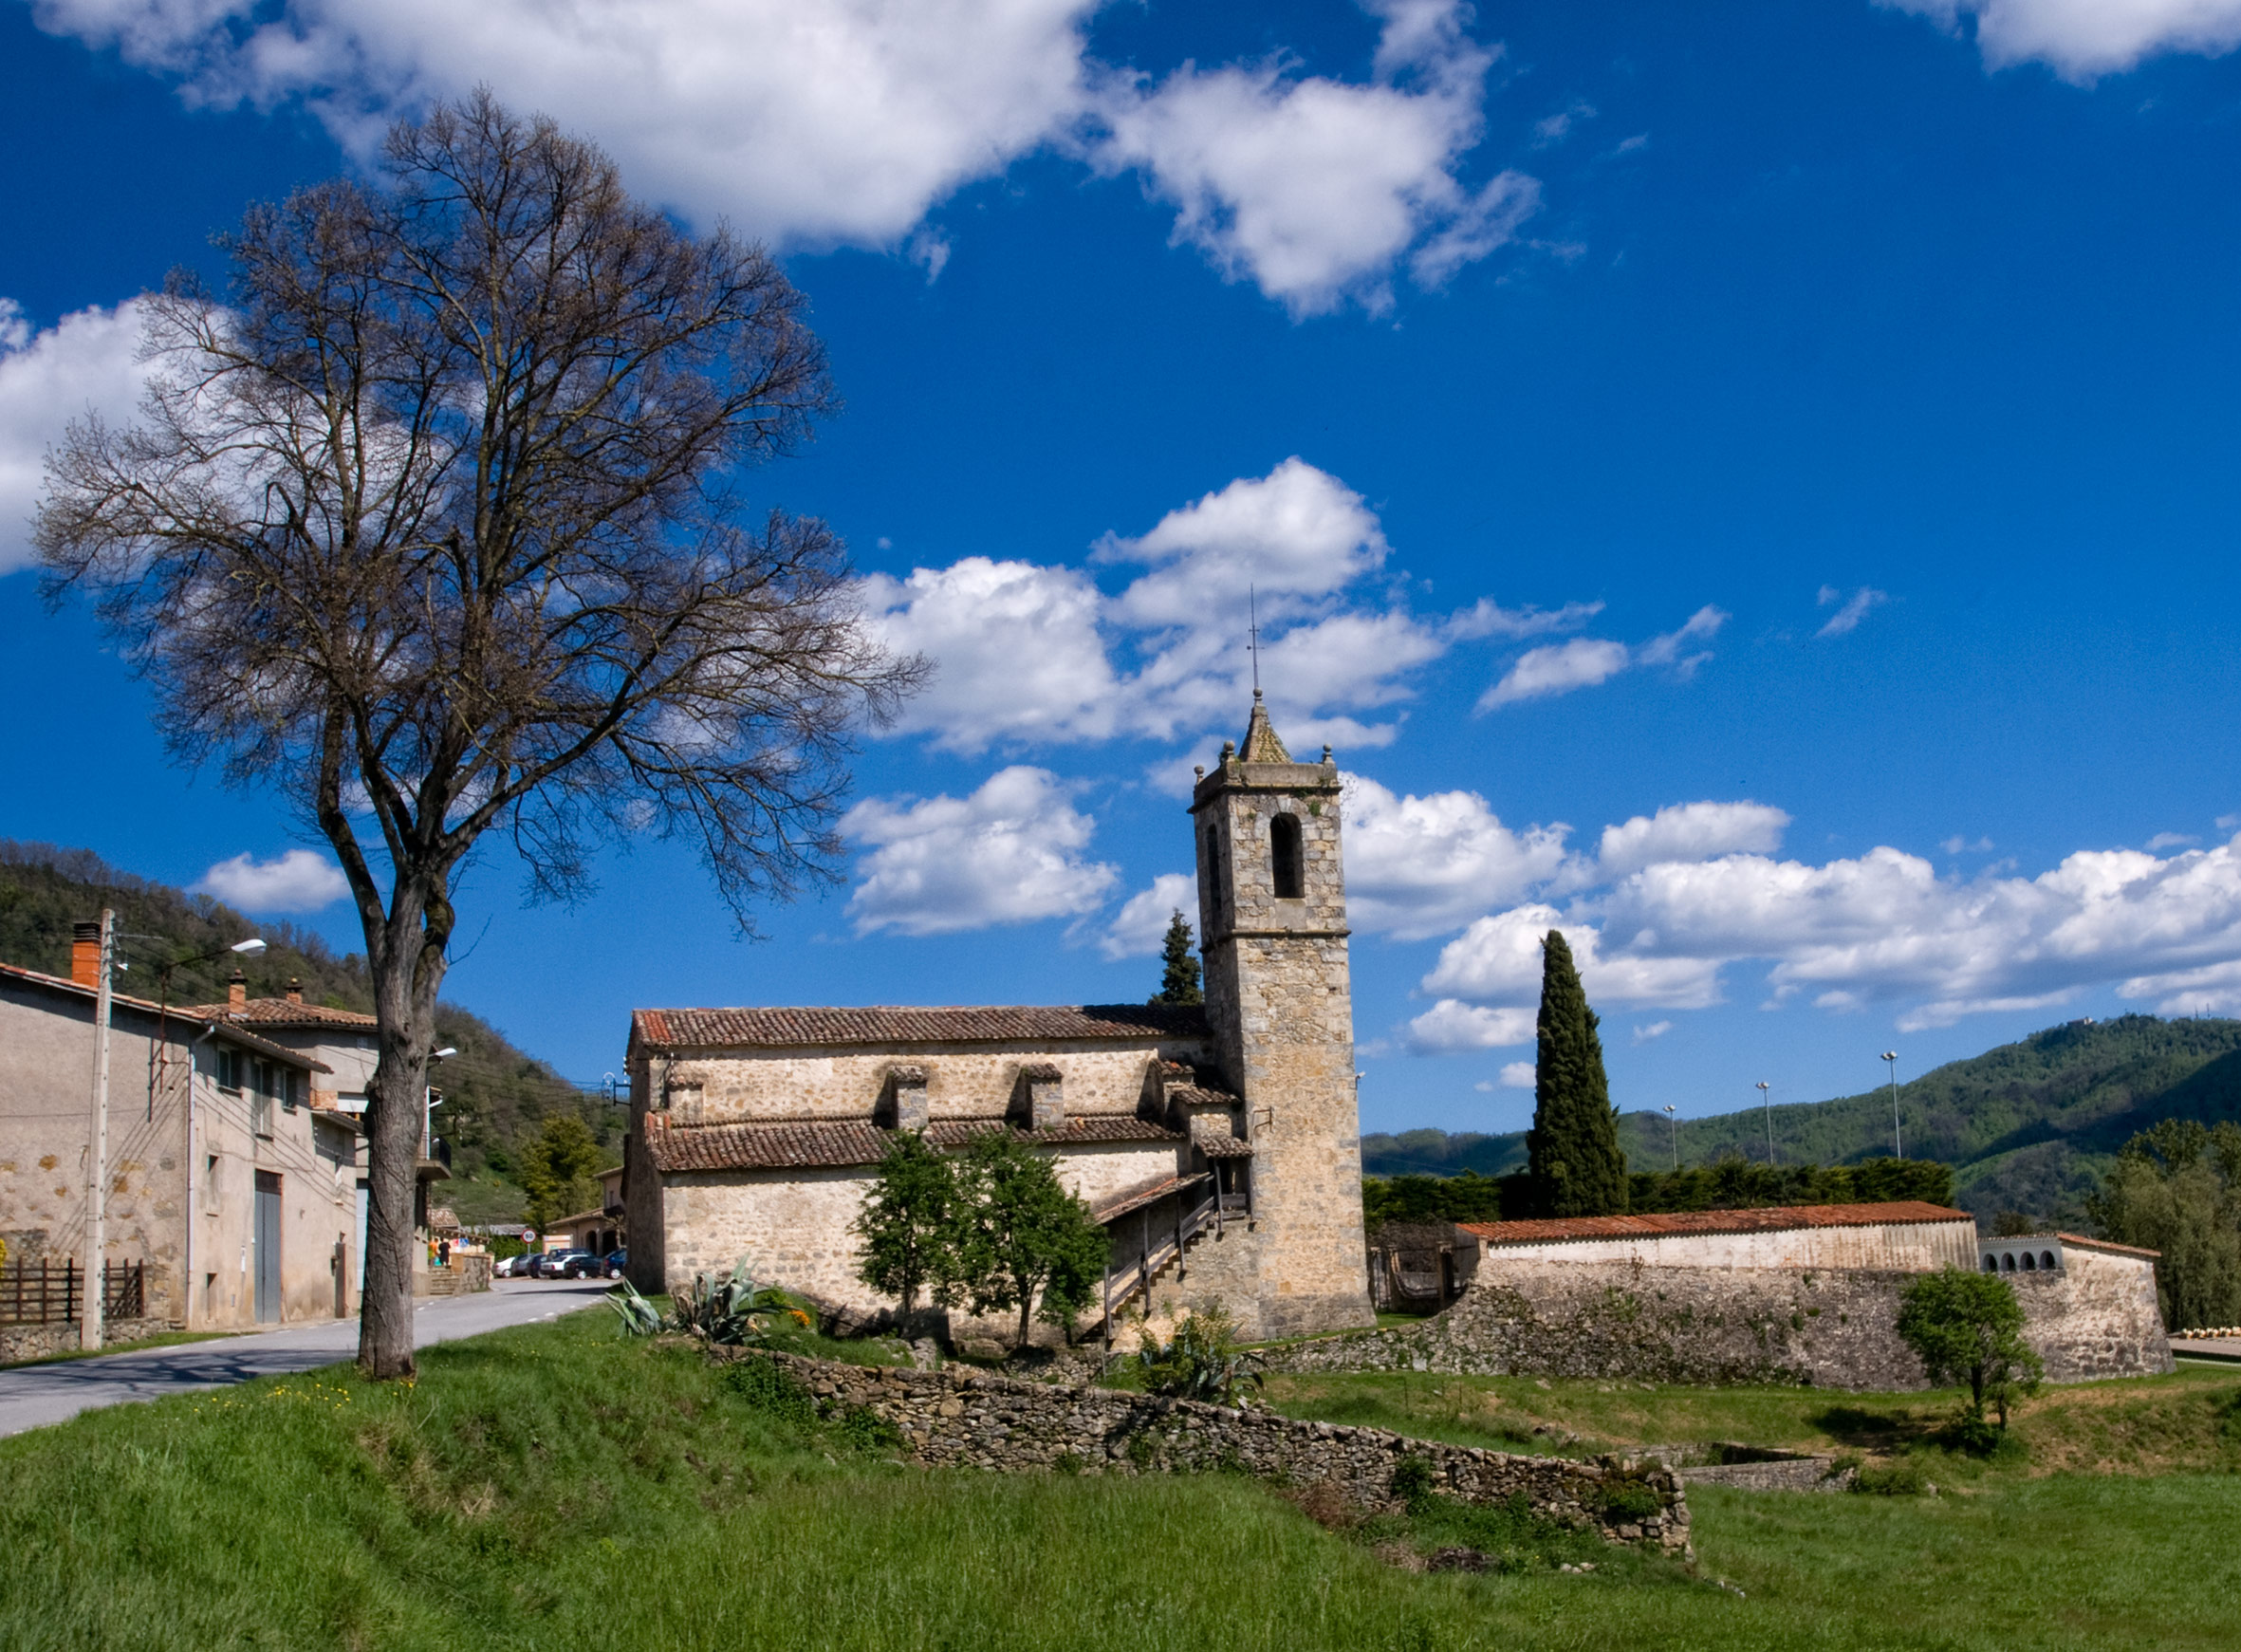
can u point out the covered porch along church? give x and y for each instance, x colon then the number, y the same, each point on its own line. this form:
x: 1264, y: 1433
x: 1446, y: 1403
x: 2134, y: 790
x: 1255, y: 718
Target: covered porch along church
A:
x: 1219, y: 1146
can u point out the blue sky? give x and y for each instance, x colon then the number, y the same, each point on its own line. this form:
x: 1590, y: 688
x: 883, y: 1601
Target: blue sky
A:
x: 1754, y: 485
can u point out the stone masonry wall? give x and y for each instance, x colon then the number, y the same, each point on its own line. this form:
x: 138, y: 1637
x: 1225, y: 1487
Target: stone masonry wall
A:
x: 36, y: 1342
x: 973, y: 1419
x: 1831, y: 1328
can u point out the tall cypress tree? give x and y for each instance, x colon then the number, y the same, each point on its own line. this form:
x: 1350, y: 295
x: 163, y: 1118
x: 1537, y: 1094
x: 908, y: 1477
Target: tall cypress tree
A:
x: 1573, y: 1147
x: 1178, y: 967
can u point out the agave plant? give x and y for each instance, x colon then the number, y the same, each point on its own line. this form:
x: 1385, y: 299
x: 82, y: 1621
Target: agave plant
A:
x: 640, y: 1318
x: 731, y: 1313
x: 1203, y: 1361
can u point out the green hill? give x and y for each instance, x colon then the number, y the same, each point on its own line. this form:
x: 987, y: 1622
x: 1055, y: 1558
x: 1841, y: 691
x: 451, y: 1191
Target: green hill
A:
x: 495, y: 1096
x: 2029, y: 1127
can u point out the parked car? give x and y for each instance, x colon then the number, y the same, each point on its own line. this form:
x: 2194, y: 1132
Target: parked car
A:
x: 616, y: 1262
x: 503, y: 1267
x: 548, y: 1264
x: 583, y: 1264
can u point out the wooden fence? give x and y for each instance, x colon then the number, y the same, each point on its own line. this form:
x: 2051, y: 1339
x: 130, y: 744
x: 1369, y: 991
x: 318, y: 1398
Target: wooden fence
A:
x: 46, y: 1292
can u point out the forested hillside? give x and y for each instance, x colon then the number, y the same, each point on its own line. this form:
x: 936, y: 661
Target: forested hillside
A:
x: 2029, y: 1127
x: 495, y: 1096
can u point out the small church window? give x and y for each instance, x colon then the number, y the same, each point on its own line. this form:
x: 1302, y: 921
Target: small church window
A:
x: 1214, y: 870
x: 1284, y: 838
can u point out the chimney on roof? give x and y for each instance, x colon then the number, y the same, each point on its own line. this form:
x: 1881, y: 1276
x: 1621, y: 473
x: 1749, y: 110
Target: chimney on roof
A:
x: 86, y: 954
x: 236, y: 989
x: 295, y: 991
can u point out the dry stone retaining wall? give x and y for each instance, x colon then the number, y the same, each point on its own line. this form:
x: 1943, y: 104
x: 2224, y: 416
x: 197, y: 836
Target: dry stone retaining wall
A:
x: 1829, y: 1327
x: 973, y: 1419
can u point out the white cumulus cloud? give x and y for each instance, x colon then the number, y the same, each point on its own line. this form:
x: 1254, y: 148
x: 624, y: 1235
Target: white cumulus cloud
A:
x: 1450, y: 1026
x: 296, y: 881
x: 2084, y: 39
x: 1141, y: 925
x: 1520, y: 1075
x: 84, y: 363
x: 1586, y: 661
x: 1418, y: 866
x: 1497, y: 962
x: 829, y: 122
x: 1010, y: 853
x: 1689, y: 831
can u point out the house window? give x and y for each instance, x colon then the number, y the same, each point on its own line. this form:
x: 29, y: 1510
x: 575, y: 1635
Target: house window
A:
x: 260, y: 1101
x: 209, y: 1184
x: 1284, y: 841
x: 291, y: 1091
x: 230, y: 1065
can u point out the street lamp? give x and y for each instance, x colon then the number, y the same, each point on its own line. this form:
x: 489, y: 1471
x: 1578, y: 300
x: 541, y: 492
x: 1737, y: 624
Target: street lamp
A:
x: 1675, y: 1123
x: 1891, y: 1060
x: 1767, y: 1095
x: 97, y: 1161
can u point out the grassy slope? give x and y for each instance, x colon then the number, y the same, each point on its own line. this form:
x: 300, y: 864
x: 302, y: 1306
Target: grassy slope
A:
x: 2026, y: 1126
x: 553, y: 1486
x: 495, y: 1096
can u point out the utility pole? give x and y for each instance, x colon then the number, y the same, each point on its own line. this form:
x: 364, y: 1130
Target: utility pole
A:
x: 1675, y: 1124
x: 89, y: 1321
x: 1898, y: 1146
x: 1767, y: 1095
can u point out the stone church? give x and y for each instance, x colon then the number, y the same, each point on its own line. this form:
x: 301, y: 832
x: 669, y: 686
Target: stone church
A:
x: 1219, y: 1147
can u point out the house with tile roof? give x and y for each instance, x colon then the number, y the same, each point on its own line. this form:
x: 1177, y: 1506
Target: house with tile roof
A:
x: 231, y: 1186
x: 1218, y: 1144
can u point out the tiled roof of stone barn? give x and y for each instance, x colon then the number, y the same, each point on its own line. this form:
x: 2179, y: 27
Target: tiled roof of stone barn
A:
x: 280, y: 1012
x: 779, y: 1028
x: 806, y: 1144
x: 1673, y: 1224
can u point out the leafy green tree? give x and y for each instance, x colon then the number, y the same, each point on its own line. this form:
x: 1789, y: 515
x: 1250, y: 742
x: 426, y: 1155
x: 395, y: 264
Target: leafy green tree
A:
x: 1020, y: 1235
x: 559, y: 1168
x: 2176, y: 1189
x: 909, y: 1221
x: 1967, y: 1327
x: 1572, y: 1149
x: 1179, y: 966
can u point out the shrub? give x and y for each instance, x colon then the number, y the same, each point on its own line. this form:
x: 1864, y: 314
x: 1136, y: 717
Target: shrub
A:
x: 1203, y: 1362
x: 733, y: 1312
x: 1412, y: 1483
x: 860, y: 1428
x: 1630, y: 1500
x: 1902, y: 1478
x: 770, y: 1390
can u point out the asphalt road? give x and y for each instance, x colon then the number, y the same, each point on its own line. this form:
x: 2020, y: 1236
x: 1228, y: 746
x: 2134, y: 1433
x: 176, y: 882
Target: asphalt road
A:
x: 35, y: 1396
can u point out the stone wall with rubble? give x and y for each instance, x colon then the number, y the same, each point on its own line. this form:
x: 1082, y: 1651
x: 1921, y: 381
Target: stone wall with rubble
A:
x: 1829, y: 1328
x: 37, y: 1342
x: 970, y: 1418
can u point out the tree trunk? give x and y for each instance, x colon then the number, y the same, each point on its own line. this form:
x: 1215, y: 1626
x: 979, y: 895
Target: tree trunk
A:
x: 407, y: 967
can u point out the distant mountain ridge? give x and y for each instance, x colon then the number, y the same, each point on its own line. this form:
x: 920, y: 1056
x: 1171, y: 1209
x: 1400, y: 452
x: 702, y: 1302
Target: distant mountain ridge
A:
x: 495, y: 1095
x: 2029, y: 1127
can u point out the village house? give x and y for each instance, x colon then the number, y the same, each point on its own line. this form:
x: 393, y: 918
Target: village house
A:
x: 232, y: 1189
x: 1219, y: 1146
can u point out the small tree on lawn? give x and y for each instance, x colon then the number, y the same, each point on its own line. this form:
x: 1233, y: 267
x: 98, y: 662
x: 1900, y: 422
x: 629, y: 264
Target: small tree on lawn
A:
x: 1572, y: 1150
x: 558, y: 1167
x: 909, y: 1221
x: 1020, y: 1235
x: 1967, y: 1328
x: 1179, y: 966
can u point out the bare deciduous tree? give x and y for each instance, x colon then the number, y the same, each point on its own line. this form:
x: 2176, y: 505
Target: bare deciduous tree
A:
x: 432, y: 523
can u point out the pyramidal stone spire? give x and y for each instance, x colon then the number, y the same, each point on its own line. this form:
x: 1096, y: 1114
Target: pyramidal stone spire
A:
x: 1261, y: 744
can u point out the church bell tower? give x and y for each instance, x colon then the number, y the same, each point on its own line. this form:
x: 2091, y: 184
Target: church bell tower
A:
x: 1278, y: 1000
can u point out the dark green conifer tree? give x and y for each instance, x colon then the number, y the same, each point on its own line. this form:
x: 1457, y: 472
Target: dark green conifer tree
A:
x: 1572, y: 1149
x: 1178, y: 967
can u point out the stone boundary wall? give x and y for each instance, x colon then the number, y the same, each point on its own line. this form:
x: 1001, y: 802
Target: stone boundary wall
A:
x: 36, y: 1342
x: 970, y: 1419
x: 1826, y: 1328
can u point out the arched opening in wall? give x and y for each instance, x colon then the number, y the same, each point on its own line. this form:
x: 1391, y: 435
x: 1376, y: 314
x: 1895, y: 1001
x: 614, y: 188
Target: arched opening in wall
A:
x: 2045, y: 1261
x: 1991, y: 1264
x: 1284, y: 845
x: 2008, y: 1262
x: 2031, y: 1263
x: 1213, y: 876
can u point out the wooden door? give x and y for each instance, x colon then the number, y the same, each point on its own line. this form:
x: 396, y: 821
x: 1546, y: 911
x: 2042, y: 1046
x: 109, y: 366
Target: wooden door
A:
x: 267, y: 1248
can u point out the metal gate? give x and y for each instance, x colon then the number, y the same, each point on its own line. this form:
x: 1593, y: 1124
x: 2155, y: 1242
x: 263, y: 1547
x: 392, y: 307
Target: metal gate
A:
x: 267, y: 1248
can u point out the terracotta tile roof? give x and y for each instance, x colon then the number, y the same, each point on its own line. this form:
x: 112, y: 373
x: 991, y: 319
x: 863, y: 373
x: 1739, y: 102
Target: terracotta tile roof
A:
x: 1226, y: 1147
x: 1778, y: 1219
x: 1199, y: 1096
x: 280, y: 1012
x: 61, y: 986
x: 808, y: 1144
x: 1136, y: 1198
x: 908, y: 1024
x: 781, y: 1146
x: 2109, y: 1245
x: 1091, y: 1130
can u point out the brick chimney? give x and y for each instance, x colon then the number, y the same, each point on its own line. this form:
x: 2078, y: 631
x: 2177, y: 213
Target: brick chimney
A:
x: 295, y: 991
x: 86, y: 954
x: 236, y: 990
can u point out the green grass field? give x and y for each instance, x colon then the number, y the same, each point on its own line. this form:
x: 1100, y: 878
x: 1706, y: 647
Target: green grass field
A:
x: 556, y: 1487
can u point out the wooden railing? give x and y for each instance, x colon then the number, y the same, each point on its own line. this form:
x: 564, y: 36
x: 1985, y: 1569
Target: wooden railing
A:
x: 46, y: 1292
x: 1134, y: 1277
